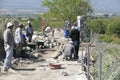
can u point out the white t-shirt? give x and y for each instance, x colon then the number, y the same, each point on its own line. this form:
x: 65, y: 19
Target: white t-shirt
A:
x: 18, y: 35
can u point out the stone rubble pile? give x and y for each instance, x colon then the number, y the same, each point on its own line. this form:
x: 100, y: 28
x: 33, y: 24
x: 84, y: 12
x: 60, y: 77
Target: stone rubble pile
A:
x: 49, y: 42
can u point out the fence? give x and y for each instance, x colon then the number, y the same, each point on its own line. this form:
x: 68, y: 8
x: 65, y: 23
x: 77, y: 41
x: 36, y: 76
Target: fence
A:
x: 102, y: 71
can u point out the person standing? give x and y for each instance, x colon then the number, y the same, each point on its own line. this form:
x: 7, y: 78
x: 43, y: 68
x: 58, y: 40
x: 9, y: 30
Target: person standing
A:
x: 43, y: 26
x: 75, y: 36
x: 8, y: 46
x: 68, y: 25
x: 29, y: 31
x: 18, y: 40
x: 53, y: 30
x: 67, y: 29
x: 66, y: 33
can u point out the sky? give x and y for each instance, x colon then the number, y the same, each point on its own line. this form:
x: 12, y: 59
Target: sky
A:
x: 98, y: 5
x: 106, y: 5
x: 21, y: 4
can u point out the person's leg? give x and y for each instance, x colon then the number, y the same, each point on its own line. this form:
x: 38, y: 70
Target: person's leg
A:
x: 29, y: 38
x: 71, y: 56
x: 75, y: 54
x: 76, y: 44
x: 77, y: 50
x: 8, y: 59
x: 17, y: 50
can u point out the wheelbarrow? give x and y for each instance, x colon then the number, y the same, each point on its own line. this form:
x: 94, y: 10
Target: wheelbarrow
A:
x: 40, y: 43
x: 54, y: 66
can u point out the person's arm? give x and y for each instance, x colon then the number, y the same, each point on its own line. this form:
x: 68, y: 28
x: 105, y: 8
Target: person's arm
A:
x: 6, y: 35
x: 20, y: 35
x: 32, y: 31
x: 71, y: 34
x: 26, y: 30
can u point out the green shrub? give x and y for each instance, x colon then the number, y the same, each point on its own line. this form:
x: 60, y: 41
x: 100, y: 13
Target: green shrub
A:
x: 110, y: 63
x: 106, y: 38
x: 101, y: 36
x: 117, y: 77
x: 116, y: 40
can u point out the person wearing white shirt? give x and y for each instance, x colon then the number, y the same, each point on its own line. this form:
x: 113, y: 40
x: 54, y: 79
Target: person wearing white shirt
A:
x: 18, y: 40
x: 8, y: 46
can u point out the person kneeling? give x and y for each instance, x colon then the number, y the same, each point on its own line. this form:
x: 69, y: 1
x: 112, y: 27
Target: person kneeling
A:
x: 68, y: 50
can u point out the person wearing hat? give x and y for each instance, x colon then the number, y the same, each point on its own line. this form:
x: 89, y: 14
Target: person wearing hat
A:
x: 29, y: 31
x: 8, y: 46
x: 18, y: 40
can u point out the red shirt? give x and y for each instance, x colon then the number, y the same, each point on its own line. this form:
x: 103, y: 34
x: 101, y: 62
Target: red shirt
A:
x: 43, y: 24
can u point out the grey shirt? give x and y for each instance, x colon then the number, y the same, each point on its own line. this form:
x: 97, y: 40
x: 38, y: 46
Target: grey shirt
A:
x: 8, y: 37
x: 68, y: 49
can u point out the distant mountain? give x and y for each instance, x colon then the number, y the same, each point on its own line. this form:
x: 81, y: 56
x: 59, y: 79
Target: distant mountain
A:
x: 112, y: 6
x: 98, y: 5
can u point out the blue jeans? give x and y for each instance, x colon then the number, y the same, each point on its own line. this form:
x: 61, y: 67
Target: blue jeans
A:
x: 8, y: 58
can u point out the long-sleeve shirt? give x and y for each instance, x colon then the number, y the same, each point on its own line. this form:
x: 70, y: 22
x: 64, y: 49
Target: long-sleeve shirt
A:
x: 29, y: 30
x: 68, y: 49
x: 75, y: 35
x: 8, y: 37
x: 18, y: 35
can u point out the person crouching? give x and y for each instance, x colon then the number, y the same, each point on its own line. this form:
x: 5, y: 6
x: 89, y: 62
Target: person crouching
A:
x: 68, y: 50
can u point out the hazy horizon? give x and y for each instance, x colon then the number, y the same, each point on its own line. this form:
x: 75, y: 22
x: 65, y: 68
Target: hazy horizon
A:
x: 21, y: 4
x: 106, y: 5
x: 98, y: 5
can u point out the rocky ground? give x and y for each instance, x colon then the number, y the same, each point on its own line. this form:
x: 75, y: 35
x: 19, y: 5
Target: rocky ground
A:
x: 41, y: 68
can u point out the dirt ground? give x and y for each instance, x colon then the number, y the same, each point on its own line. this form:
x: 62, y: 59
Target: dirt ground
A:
x: 40, y: 70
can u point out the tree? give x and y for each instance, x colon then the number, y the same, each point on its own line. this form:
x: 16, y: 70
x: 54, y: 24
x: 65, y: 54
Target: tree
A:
x: 97, y: 25
x: 36, y: 24
x: 113, y: 28
x: 67, y: 9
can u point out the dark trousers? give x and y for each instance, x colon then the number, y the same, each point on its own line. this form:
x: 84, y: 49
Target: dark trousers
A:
x: 29, y: 38
x: 18, y: 50
x: 76, y: 44
x: 76, y: 52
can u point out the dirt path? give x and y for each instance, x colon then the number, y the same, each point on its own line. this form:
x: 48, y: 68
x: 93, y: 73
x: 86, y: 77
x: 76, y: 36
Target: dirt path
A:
x: 71, y: 70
